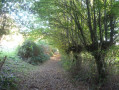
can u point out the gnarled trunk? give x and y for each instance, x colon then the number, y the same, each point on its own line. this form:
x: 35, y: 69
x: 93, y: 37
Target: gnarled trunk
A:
x: 77, y: 59
x: 101, y: 66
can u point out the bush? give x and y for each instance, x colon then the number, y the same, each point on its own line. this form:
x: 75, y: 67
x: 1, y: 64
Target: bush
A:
x: 32, y: 53
x: 38, y: 59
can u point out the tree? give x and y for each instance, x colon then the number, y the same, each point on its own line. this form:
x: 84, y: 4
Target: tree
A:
x: 6, y: 22
x: 83, y: 25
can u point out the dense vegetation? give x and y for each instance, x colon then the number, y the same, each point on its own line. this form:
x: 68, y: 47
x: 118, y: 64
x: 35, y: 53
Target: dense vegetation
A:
x: 84, y: 31
x: 32, y: 53
x: 78, y: 26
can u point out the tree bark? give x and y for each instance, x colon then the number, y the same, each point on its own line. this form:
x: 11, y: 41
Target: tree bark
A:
x: 89, y: 20
x: 77, y: 60
x: 101, y: 66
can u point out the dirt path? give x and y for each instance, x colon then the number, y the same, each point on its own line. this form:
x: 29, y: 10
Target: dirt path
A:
x: 49, y: 76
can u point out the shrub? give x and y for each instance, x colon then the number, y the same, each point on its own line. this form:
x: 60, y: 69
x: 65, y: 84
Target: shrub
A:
x: 38, y: 59
x: 32, y: 53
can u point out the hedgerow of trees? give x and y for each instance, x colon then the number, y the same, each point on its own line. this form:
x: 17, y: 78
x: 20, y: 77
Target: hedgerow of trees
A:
x: 82, y: 25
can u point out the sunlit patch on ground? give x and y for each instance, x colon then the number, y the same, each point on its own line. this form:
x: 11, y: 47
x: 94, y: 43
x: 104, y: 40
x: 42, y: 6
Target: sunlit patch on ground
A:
x: 56, y: 55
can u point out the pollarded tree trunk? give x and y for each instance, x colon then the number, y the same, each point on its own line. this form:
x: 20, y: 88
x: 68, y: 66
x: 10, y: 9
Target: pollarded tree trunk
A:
x: 101, y: 66
x: 77, y: 59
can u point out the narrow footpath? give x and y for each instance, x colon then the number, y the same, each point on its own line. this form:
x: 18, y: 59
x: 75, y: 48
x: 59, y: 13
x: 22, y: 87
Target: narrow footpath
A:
x: 49, y: 76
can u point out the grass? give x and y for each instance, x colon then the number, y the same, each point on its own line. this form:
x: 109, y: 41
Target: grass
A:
x: 17, y: 65
x: 14, y: 62
x: 12, y: 70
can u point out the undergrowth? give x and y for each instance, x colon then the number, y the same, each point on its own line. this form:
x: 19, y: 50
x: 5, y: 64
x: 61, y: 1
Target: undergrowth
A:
x: 84, y: 70
x: 8, y: 81
x: 15, y: 67
x: 12, y: 70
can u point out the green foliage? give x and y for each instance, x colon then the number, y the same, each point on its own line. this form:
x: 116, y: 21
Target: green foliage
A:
x: 86, y: 70
x: 66, y: 62
x: 7, y: 23
x: 38, y: 59
x: 48, y: 49
x: 82, y: 69
x: 112, y: 60
x: 77, y: 26
x: 32, y: 53
x: 44, y: 8
x: 7, y: 81
x: 35, y: 34
x: 115, y: 10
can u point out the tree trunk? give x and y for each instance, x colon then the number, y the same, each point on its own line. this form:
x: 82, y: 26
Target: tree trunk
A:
x: 101, y: 66
x: 77, y: 59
